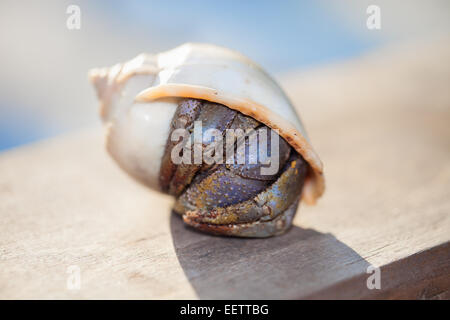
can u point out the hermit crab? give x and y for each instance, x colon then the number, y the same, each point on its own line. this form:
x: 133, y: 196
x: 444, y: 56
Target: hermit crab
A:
x: 168, y: 118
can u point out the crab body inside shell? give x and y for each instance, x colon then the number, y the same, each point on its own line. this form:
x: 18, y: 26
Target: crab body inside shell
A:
x: 146, y: 102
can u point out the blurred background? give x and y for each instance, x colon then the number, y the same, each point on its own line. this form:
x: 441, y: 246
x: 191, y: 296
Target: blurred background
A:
x: 43, y: 80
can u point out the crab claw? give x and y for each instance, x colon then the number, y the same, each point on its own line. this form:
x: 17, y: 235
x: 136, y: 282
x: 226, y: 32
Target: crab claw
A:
x: 268, y: 213
x: 233, y: 199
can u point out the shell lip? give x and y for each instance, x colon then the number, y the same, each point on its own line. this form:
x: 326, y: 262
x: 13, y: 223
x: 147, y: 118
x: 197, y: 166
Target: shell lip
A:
x: 315, y: 183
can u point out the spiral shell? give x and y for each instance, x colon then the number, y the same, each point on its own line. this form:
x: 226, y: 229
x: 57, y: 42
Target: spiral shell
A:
x: 138, y: 132
x: 143, y: 100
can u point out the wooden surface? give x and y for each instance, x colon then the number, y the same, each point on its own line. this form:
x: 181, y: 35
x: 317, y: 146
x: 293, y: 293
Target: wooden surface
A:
x: 382, y: 127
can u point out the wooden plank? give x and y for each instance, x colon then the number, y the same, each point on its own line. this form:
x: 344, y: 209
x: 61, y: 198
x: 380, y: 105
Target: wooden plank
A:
x: 381, y: 125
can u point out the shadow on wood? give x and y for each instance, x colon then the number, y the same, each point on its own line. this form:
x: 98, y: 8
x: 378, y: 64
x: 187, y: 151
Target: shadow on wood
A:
x: 293, y: 265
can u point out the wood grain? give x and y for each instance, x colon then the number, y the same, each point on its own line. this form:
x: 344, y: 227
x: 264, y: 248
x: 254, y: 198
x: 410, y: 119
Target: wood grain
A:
x: 381, y: 126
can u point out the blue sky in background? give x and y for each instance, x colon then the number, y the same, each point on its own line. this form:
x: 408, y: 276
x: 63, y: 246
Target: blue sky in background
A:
x: 43, y: 85
x: 12, y: 135
x: 280, y: 35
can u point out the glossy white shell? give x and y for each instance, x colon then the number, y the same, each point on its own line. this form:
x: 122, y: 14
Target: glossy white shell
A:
x: 136, y: 133
x: 199, y: 71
